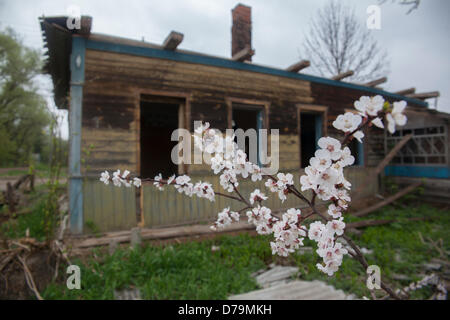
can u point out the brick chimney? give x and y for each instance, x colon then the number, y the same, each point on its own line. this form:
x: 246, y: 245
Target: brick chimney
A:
x: 241, y: 31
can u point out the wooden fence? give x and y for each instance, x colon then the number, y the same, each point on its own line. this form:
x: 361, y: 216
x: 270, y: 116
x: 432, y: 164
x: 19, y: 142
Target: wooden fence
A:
x: 109, y: 208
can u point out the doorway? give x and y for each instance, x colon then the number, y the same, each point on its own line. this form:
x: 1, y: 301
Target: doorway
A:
x: 248, y: 117
x: 310, y: 132
x: 159, y: 117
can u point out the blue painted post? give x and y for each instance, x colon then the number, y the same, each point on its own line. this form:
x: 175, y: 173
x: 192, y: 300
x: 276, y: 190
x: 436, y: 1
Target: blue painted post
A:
x: 76, y: 99
x: 360, y: 160
x: 259, y: 126
x: 318, y: 125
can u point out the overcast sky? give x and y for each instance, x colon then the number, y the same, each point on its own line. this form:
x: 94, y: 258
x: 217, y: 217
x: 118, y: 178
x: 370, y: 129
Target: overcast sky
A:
x: 418, y: 44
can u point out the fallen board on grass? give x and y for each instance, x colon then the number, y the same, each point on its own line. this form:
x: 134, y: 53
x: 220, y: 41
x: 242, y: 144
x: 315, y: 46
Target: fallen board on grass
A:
x: 389, y: 200
x: 295, y: 290
x: 370, y: 223
x: 161, y: 234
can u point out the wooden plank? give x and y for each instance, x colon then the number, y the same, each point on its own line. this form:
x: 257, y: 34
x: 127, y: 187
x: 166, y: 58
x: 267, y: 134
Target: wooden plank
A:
x: 163, y: 233
x: 299, y: 66
x: 98, y: 60
x: 343, y: 75
x: 424, y: 95
x: 92, y: 134
x: 389, y: 200
x: 371, y: 223
x: 392, y: 153
x: 376, y: 82
x: 104, y: 212
x: 385, y: 162
x: 173, y: 40
x: 244, y: 54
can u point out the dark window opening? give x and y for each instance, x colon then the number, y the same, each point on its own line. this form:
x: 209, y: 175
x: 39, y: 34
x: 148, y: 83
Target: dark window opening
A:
x: 158, y: 121
x: 308, y: 136
x: 246, y: 119
x: 354, y: 147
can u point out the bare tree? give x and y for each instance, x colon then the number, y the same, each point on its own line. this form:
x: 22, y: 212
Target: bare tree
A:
x: 337, y: 42
x: 414, y: 4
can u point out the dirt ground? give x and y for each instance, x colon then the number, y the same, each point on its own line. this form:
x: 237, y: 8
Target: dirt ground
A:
x: 13, y: 285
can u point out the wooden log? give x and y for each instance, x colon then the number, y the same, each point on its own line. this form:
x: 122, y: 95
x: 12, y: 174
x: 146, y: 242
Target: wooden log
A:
x: 244, y: 54
x: 173, y: 40
x: 376, y: 82
x: 406, y: 91
x: 392, y: 154
x: 32, y: 182
x: 299, y: 66
x: 424, y: 95
x: 21, y: 180
x: 86, y: 25
x: 10, y: 198
x: 389, y: 200
x: 343, y: 75
x: 162, y: 234
x: 371, y: 223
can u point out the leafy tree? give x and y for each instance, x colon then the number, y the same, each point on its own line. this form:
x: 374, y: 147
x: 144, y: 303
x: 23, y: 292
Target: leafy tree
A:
x: 24, y: 116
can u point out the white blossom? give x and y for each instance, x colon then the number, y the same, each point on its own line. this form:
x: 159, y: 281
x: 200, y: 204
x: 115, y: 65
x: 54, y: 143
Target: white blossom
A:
x: 315, y: 230
x: 332, y: 145
x: 347, y: 122
x: 322, y: 160
x: 204, y: 190
x: 158, y: 182
x: 117, y: 180
x: 137, y: 182
x: 257, y: 196
x: 359, y: 135
x: 396, y: 117
x: 336, y: 226
x: 334, y: 211
x: 369, y: 105
x: 105, y: 177
x: 378, y: 123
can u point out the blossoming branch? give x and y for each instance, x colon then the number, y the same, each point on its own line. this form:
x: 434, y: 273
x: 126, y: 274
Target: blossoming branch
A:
x: 324, y: 177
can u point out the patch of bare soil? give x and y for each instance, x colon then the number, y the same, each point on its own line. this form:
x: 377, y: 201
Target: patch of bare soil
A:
x: 15, y: 283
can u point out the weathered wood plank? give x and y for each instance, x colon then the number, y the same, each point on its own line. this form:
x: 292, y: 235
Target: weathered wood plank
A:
x: 343, y: 75
x: 244, y: 55
x: 299, y: 66
x: 173, y: 40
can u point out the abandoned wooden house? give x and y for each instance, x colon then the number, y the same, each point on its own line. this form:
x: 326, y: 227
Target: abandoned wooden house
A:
x: 125, y: 98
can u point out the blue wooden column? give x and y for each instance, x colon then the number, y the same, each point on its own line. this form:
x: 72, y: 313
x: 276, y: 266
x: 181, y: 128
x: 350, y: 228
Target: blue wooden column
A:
x: 318, y: 124
x: 75, y: 112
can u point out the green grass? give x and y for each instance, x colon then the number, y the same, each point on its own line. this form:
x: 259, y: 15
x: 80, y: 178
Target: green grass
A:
x: 185, y: 271
x: 192, y: 271
x: 13, y: 173
x: 33, y: 220
x: 41, y: 171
